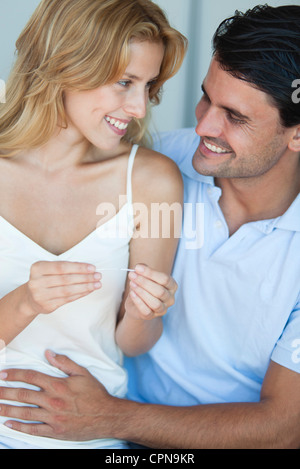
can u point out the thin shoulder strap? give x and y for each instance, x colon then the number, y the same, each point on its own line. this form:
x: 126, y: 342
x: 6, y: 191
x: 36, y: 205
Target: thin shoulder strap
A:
x: 129, y: 173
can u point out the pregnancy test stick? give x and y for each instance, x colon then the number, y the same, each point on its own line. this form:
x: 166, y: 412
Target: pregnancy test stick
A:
x: 124, y: 270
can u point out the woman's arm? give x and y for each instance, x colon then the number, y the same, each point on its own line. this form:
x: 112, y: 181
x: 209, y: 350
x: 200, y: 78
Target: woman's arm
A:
x: 157, y: 199
x: 150, y: 296
x: 14, y: 315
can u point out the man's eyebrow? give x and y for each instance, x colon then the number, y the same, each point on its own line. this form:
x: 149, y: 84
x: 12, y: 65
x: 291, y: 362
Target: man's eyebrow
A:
x: 233, y: 111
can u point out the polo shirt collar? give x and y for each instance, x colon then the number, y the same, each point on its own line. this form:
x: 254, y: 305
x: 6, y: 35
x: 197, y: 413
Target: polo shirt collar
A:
x: 290, y: 220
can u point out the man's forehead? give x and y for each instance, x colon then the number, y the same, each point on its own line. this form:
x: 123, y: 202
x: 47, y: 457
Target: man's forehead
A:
x: 228, y: 91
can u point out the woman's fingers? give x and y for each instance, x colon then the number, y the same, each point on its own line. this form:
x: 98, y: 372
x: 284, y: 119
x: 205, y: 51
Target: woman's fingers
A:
x: 53, y: 284
x: 158, y: 284
x: 160, y: 278
x: 51, y: 281
x: 58, y: 302
x: 147, y: 304
x: 60, y: 268
x: 69, y: 290
x: 152, y: 292
x: 157, y: 291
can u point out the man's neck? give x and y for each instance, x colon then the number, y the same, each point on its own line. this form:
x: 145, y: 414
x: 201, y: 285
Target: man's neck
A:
x: 269, y: 196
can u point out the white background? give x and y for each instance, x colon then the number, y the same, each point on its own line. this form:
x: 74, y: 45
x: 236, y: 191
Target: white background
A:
x: 196, y: 19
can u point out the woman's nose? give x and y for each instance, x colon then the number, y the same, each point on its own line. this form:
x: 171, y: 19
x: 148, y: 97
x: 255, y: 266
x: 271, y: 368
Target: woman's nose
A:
x: 136, y: 104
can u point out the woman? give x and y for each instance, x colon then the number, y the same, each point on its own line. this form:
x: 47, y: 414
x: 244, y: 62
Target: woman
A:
x: 76, y: 108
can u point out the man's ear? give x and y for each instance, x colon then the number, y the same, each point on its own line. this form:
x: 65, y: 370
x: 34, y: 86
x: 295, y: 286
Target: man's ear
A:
x: 294, y: 143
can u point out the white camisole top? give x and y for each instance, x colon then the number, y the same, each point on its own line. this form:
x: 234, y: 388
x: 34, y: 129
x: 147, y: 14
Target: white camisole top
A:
x: 84, y: 330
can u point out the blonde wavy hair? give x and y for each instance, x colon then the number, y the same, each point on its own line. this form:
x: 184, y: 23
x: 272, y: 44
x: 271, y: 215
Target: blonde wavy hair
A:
x: 79, y: 45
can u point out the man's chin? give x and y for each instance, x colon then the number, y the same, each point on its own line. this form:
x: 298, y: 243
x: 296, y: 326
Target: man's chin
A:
x: 216, y: 167
x: 200, y: 166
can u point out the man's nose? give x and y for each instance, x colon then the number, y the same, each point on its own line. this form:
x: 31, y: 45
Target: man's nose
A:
x: 210, y: 122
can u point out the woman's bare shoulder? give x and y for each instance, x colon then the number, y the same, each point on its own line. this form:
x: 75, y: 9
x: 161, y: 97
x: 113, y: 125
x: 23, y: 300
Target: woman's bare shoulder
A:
x: 157, y: 175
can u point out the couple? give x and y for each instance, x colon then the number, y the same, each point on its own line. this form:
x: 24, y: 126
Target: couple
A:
x: 225, y: 370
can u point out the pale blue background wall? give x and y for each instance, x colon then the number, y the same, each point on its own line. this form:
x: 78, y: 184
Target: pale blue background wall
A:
x: 197, y: 19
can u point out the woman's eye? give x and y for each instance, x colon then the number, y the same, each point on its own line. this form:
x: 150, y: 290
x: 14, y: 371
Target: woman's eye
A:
x: 124, y: 83
x: 127, y: 83
x: 151, y: 83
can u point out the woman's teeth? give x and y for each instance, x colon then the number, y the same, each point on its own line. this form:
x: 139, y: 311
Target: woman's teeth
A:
x: 119, y: 125
x: 213, y: 148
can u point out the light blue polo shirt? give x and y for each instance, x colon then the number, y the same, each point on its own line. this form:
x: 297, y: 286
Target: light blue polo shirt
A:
x: 238, y: 302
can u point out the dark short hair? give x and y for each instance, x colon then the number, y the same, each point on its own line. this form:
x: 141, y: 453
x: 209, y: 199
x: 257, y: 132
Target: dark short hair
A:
x: 262, y: 47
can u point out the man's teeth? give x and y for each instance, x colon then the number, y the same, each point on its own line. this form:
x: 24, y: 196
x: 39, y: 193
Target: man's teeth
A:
x: 116, y: 123
x: 213, y: 148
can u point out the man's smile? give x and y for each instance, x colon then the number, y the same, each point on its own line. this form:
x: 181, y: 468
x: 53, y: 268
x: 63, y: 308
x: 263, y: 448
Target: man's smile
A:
x: 214, y: 148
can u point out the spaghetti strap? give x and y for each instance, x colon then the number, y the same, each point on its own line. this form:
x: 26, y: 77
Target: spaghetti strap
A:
x: 129, y: 172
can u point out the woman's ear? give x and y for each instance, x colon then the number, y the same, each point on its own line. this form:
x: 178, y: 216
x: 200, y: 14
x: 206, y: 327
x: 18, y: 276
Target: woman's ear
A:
x: 294, y: 143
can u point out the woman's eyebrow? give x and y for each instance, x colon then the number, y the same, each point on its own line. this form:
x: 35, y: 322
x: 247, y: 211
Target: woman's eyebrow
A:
x: 134, y: 77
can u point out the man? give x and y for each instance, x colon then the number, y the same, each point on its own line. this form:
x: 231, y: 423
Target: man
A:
x: 226, y: 372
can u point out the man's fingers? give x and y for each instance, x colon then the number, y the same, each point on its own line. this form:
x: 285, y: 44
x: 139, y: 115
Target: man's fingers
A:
x: 36, y: 429
x: 41, y: 380
x: 35, y: 378
x: 32, y: 414
x: 25, y: 396
x: 64, y: 364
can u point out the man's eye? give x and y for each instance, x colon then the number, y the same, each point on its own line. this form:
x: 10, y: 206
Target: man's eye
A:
x: 234, y: 120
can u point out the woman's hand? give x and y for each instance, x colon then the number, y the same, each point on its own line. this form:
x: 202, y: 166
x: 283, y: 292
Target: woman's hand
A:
x: 151, y: 293
x: 53, y: 284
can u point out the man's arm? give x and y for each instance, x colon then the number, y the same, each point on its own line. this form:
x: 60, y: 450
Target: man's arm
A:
x: 66, y: 413
x: 274, y: 422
